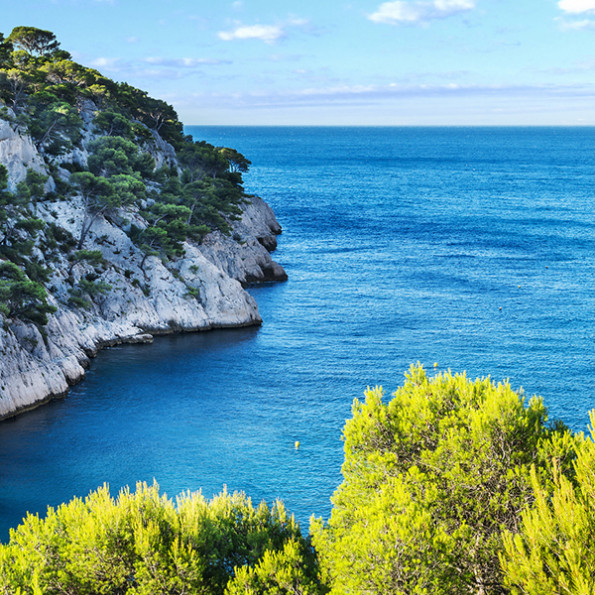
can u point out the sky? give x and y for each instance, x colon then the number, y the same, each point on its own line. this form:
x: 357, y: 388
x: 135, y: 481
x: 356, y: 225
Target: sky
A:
x: 334, y: 62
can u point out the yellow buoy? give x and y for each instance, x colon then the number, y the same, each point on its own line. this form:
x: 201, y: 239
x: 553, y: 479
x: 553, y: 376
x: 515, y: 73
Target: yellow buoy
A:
x: 435, y: 364
x: 297, y: 444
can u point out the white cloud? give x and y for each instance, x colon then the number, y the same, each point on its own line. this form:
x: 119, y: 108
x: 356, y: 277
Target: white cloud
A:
x: 403, y: 12
x: 183, y: 62
x: 577, y: 25
x: 266, y: 33
x: 109, y: 63
x: 577, y: 6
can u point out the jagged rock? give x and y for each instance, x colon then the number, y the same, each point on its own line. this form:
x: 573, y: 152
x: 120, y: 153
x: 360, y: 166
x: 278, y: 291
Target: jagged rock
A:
x: 200, y: 291
x: 18, y: 153
x: 244, y: 254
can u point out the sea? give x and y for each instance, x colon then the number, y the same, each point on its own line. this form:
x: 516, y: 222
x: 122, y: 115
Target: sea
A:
x: 464, y: 249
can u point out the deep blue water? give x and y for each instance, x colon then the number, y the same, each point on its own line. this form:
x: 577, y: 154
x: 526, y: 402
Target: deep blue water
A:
x: 401, y: 245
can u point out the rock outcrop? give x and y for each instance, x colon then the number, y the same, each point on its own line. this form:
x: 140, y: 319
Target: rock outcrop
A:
x: 244, y: 254
x: 18, y: 153
x: 201, y: 290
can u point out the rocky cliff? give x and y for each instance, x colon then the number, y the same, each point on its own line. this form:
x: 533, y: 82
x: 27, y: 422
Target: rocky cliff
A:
x: 142, y: 294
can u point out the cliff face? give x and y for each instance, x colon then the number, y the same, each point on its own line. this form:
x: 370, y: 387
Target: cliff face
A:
x: 17, y: 154
x: 147, y: 295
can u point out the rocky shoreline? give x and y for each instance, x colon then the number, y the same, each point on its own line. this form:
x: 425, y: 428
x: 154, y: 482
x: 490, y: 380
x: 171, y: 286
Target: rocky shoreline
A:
x: 199, y: 291
x: 35, y: 369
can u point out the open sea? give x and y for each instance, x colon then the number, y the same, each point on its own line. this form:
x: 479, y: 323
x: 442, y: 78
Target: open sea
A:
x: 470, y: 247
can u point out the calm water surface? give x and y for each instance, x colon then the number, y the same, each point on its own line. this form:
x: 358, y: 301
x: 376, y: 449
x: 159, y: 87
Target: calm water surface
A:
x: 472, y: 248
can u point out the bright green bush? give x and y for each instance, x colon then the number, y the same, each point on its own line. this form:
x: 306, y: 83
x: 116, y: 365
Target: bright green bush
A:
x: 141, y: 543
x: 290, y: 571
x: 452, y: 487
x: 431, y: 480
x: 553, y: 552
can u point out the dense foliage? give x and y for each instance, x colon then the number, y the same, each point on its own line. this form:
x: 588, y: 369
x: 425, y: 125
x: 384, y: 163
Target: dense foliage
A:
x: 69, y: 110
x: 142, y: 543
x: 22, y: 294
x: 431, y: 480
x: 553, y: 551
x: 453, y: 486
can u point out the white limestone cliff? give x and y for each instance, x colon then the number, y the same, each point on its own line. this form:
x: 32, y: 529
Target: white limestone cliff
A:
x: 200, y: 291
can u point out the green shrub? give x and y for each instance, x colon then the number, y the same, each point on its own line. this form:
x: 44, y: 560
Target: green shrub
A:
x: 142, y: 543
x: 553, y: 550
x: 431, y: 480
x: 22, y: 298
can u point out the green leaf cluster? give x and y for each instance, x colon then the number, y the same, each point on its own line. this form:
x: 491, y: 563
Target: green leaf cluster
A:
x: 22, y: 294
x: 22, y: 298
x: 553, y: 550
x: 141, y: 543
x: 431, y: 480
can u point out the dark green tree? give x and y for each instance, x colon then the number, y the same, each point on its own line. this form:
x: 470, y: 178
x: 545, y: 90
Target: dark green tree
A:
x: 37, y: 42
x: 236, y: 161
x: 165, y: 233
x: 6, y: 49
x: 54, y: 124
x: 113, y: 124
x: 32, y: 188
x: 22, y: 298
x: 14, y: 86
x: 200, y: 160
x: 12, y: 211
x: 98, y: 197
x: 113, y: 155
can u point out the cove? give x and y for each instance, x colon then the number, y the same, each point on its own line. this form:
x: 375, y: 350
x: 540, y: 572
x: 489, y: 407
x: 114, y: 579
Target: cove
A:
x: 471, y: 248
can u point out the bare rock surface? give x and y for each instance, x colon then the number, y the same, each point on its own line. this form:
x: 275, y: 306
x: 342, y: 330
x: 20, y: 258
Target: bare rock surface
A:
x: 200, y: 291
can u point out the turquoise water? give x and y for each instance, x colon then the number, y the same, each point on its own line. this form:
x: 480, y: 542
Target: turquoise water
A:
x: 472, y: 248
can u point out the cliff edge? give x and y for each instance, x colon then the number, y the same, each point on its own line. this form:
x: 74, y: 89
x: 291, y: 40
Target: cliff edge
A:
x: 114, y: 226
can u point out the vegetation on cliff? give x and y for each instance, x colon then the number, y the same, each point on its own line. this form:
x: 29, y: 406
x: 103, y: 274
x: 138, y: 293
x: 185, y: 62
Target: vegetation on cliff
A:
x: 111, y: 146
x: 453, y: 486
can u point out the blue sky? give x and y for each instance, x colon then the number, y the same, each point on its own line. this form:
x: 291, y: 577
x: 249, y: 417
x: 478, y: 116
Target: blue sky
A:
x: 360, y: 62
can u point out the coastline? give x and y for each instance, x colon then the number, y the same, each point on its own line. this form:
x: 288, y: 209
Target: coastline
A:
x: 37, y: 369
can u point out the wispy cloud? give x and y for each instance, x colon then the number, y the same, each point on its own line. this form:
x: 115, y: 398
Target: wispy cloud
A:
x: 576, y: 25
x: 155, y: 67
x: 109, y: 63
x: 375, y: 95
x: 184, y: 62
x: 268, y: 33
x: 418, y: 12
x: 578, y: 68
x: 577, y: 6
